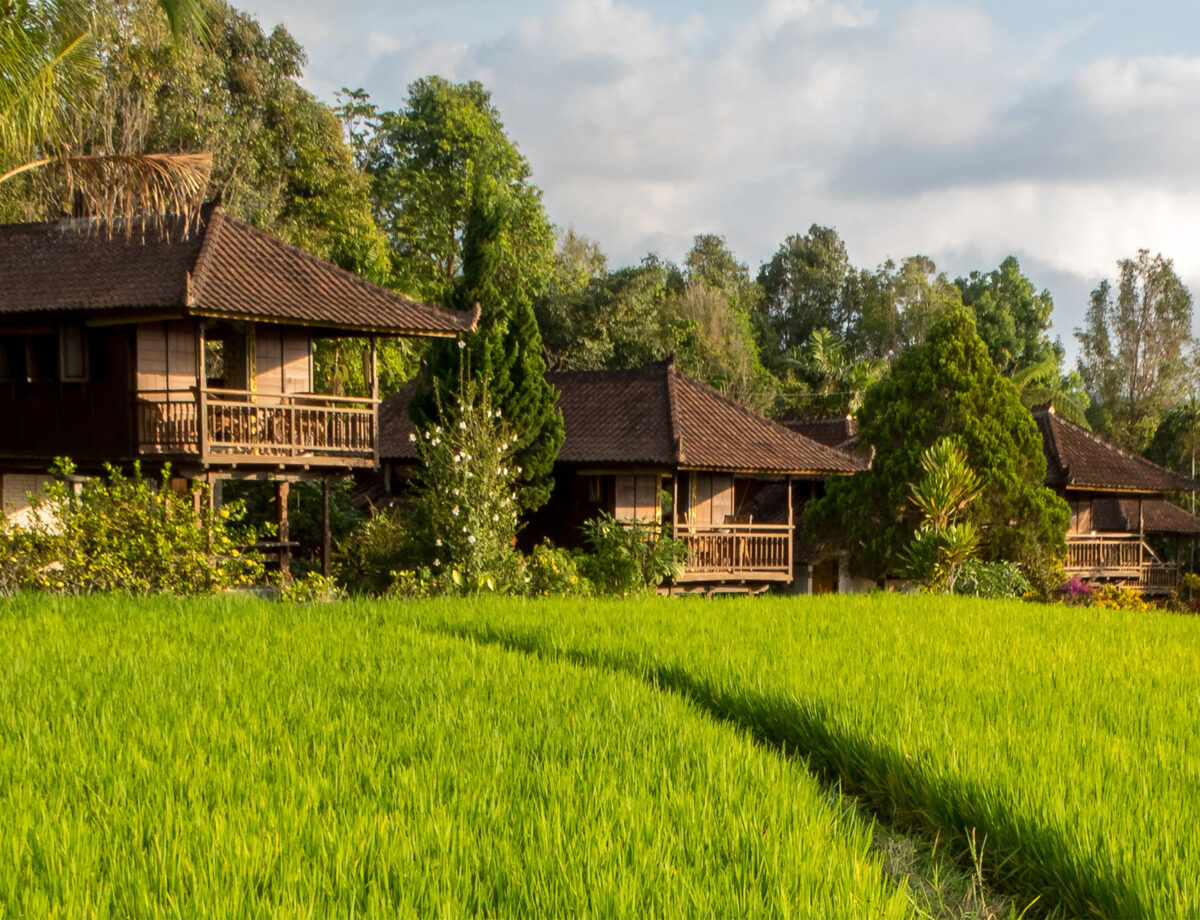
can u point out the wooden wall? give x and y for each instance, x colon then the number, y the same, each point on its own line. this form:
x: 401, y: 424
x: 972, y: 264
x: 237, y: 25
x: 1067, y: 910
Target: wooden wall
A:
x: 636, y: 497
x: 706, y: 498
x: 282, y: 360
x: 166, y: 356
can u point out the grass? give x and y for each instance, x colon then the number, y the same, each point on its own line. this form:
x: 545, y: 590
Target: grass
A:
x: 237, y: 758
x: 1056, y: 748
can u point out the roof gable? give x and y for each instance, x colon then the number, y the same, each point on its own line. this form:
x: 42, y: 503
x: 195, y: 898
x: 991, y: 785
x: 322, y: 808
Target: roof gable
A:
x: 1080, y: 459
x: 224, y: 268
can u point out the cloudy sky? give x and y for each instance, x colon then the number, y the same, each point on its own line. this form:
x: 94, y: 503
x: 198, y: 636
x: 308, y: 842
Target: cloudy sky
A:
x: 1065, y: 133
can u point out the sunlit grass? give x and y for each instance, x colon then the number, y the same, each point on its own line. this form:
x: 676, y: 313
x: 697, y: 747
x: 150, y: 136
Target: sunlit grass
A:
x: 229, y: 758
x: 1067, y: 739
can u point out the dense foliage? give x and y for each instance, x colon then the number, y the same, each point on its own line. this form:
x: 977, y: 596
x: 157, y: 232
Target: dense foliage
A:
x: 127, y: 534
x: 948, y: 383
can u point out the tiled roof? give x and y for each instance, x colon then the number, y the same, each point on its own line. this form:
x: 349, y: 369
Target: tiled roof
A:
x: 838, y: 431
x: 655, y: 416
x: 224, y: 268
x: 1080, y: 459
x: 1111, y: 514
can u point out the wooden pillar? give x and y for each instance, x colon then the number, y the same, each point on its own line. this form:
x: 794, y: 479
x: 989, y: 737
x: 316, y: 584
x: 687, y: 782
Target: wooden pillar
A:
x: 282, y: 488
x: 675, y: 506
x: 1141, y: 540
x: 326, y: 537
x: 201, y: 393
x: 791, y: 546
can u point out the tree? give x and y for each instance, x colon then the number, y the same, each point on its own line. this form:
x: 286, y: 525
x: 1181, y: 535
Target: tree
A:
x: 804, y: 288
x: 942, y: 545
x: 1044, y: 384
x: 1136, y: 347
x: 504, y: 354
x: 578, y: 261
x: 427, y: 162
x: 946, y: 385
x: 1176, y: 441
x: 1012, y: 316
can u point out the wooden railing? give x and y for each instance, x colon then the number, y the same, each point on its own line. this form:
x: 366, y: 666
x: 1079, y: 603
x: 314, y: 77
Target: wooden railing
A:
x: 750, y: 552
x: 244, y: 427
x: 1121, y: 558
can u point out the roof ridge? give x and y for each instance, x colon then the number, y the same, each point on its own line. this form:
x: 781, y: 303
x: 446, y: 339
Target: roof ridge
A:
x: 199, y: 270
x: 673, y: 413
x: 831, y: 453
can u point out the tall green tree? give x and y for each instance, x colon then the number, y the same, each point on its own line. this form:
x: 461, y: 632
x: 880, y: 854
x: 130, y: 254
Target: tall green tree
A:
x: 1012, y: 316
x: 804, y: 289
x: 427, y: 162
x: 945, y: 385
x: 1136, y: 348
x: 448, y: 152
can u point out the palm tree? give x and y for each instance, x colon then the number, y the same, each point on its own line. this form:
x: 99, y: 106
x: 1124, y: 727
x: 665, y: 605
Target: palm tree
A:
x: 47, y: 61
x: 1043, y: 384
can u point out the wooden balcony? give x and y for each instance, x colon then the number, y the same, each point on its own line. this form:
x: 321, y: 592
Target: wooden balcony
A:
x: 238, y: 427
x: 1122, y: 559
x: 737, y: 552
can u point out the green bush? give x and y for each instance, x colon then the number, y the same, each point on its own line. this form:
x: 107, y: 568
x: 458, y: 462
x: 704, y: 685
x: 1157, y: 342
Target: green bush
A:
x: 629, y: 556
x: 992, y: 579
x: 551, y: 571
x: 375, y: 548
x: 125, y: 534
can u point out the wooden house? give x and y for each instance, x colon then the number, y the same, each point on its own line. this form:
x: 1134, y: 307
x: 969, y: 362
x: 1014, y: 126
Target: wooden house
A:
x: 193, y: 347
x: 1121, y: 521
x: 735, y: 482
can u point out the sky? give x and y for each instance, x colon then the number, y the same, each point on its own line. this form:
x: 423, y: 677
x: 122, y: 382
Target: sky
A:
x: 1064, y: 133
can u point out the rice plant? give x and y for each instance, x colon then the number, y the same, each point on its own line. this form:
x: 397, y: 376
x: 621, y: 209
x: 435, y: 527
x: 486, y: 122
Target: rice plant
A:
x: 1063, y: 743
x: 230, y: 758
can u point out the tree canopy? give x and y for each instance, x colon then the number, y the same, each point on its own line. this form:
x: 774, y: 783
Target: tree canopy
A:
x: 945, y: 385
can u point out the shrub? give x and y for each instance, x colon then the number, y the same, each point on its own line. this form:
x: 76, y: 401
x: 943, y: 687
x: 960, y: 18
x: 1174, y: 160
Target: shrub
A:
x: 1075, y: 593
x: 551, y: 571
x: 375, y: 548
x: 310, y: 588
x: 629, y: 556
x: 465, y: 501
x: 1113, y: 597
x: 126, y: 534
x: 992, y: 579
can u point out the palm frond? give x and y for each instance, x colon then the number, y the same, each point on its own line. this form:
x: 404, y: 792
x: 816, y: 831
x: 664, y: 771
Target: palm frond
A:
x: 158, y: 188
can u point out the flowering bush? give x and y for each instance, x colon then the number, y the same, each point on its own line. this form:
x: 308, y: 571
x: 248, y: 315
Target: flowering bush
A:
x: 552, y: 571
x: 376, y: 548
x: 1075, y: 592
x: 465, y: 502
x: 126, y: 534
x: 1112, y: 597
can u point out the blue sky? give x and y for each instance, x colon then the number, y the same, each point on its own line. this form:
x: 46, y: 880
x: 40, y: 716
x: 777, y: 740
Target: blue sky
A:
x: 1062, y: 132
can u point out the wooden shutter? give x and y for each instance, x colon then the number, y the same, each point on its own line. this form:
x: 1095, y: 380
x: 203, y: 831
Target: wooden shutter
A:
x: 297, y: 363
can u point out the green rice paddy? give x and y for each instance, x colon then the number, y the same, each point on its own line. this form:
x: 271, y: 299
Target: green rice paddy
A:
x: 235, y: 758
x: 241, y: 759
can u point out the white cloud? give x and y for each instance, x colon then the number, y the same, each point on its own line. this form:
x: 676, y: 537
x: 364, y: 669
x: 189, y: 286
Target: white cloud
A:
x: 922, y: 128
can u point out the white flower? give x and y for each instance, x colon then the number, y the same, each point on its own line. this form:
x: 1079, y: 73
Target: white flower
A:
x: 464, y: 528
x: 471, y: 539
x: 526, y: 579
x: 437, y: 430
x: 458, y: 458
x: 466, y: 456
x: 454, y: 510
x: 427, y: 436
x: 497, y: 413
x: 437, y: 562
x: 462, y: 426
x: 412, y: 436
x: 437, y: 542
x: 462, y: 344
x: 518, y: 470
x: 436, y: 441
x: 495, y: 517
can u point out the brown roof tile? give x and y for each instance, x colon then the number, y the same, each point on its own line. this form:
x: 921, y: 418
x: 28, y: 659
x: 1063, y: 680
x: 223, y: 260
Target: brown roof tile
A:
x: 654, y: 416
x: 837, y: 431
x: 223, y: 268
x: 1080, y: 459
x: 1111, y: 514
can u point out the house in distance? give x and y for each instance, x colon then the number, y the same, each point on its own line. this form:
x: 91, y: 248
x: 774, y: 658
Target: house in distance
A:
x: 191, y: 346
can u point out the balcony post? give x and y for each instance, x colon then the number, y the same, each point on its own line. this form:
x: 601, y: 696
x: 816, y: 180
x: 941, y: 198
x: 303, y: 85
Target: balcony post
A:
x: 375, y: 400
x: 791, y: 532
x: 201, y: 393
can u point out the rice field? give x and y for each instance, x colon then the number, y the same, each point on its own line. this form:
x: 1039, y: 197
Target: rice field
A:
x: 1062, y: 743
x: 232, y: 758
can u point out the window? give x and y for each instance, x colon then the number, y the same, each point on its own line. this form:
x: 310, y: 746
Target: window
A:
x: 41, y: 358
x: 72, y: 354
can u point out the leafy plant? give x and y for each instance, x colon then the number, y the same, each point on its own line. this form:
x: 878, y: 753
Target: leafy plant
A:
x: 992, y: 579
x: 942, y: 545
x: 377, y: 546
x: 127, y: 534
x: 630, y: 556
x: 551, y: 571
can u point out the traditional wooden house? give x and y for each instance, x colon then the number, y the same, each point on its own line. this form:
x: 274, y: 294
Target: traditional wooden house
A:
x: 735, y: 482
x: 193, y: 348
x: 1119, y: 507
